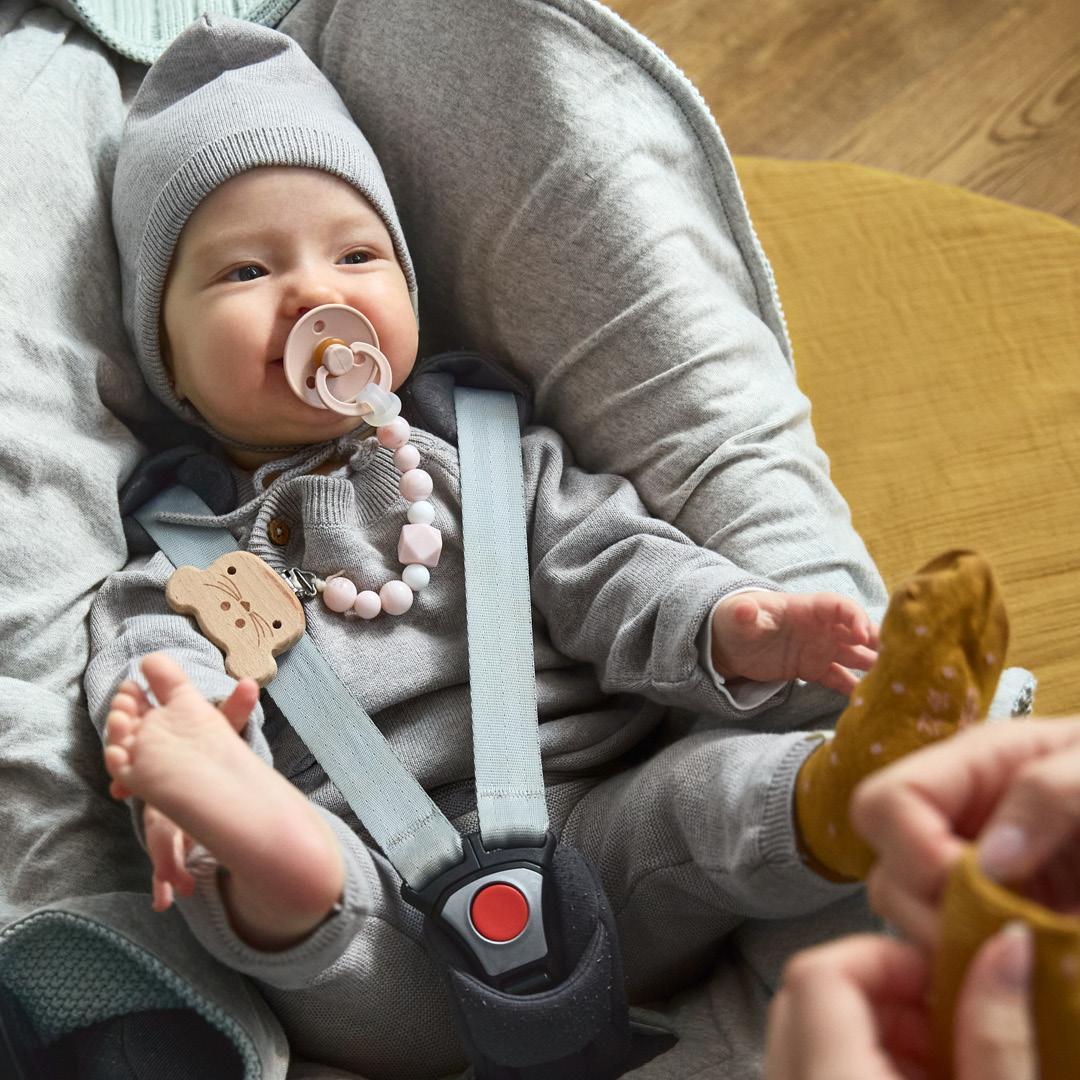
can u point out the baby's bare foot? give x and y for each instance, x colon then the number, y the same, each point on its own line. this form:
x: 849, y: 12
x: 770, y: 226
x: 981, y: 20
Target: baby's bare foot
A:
x: 130, y: 704
x: 183, y: 757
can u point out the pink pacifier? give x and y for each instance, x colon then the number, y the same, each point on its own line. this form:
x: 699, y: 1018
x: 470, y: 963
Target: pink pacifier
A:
x: 332, y: 361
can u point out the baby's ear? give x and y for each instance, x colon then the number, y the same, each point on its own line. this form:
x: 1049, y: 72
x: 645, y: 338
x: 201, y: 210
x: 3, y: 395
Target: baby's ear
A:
x: 166, y: 357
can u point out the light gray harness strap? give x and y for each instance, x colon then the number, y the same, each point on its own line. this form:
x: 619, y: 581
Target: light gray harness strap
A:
x: 411, y: 830
x: 502, y: 672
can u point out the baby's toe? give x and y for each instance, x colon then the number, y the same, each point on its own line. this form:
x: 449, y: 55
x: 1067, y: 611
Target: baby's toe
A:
x: 136, y: 697
x: 124, y: 702
x: 120, y: 728
x: 117, y: 762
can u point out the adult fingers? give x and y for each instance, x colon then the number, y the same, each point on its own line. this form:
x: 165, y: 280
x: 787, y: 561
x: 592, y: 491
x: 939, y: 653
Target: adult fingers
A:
x: 916, y: 848
x: 829, y: 1017
x: 1055, y: 884
x: 993, y: 1030
x: 918, y: 810
x: 903, y: 1026
x: 888, y: 894
x: 781, y: 1058
x: 1037, y: 815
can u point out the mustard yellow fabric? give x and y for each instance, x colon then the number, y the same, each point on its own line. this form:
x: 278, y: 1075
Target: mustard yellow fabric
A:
x: 937, y: 335
x: 943, y: 642
x: 975, y: 908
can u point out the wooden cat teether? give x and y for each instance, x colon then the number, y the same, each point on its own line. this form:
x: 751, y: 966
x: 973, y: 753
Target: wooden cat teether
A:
x: 244, y: 608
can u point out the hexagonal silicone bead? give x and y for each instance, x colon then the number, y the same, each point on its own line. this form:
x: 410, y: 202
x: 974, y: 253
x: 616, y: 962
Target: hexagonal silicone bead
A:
x: 420, y: 544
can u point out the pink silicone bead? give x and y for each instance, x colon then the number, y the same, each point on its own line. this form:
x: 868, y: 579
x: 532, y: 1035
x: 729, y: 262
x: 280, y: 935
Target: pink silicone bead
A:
x: 339, y: 594
x: 394, y: 434
x: 408, y: 457
x: 415, y: 484
x: 396, y: 597
x: 419, y: 544
x: 367, y: 604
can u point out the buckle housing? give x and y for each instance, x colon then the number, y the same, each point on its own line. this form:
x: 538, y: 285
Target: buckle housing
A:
x: 526, y: 963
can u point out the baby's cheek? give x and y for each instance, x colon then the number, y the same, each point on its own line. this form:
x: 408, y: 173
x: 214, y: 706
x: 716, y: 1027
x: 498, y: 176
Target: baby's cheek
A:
x: 392, y: 316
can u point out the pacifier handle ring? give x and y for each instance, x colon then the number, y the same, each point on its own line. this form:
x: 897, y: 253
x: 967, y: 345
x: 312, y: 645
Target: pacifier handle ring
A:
x: 351, y: 408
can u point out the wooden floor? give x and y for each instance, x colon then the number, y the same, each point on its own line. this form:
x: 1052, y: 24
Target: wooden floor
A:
x: 984, y: 94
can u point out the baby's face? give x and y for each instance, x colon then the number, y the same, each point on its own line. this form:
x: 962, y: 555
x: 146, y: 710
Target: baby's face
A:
x: 258, y: 252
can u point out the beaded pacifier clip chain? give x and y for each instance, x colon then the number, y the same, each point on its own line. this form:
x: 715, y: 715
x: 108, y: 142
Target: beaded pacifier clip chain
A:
x: 354, y: 379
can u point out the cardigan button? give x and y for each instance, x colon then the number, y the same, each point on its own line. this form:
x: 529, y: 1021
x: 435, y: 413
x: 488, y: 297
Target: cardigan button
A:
x: 278, y: 530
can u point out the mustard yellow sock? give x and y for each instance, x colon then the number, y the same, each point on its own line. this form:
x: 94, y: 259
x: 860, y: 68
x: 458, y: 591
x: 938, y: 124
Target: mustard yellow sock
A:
x: 941, y: 651
x: 975, y: 908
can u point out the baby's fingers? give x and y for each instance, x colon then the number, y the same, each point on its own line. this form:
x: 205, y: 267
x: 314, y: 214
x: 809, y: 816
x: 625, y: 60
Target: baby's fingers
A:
x: 858, y: 657
x: 850, y: 619
x: 162, y: 894
x: 118, y: 791
x: 840, y: 679
x: 166, y: 843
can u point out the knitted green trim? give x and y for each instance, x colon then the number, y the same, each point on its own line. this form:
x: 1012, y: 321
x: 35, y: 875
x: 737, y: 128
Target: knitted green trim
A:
x: 69, y: 972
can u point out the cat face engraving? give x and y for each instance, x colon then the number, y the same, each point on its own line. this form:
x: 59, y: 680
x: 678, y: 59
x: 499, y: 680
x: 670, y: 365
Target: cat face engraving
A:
x: 244, y: 608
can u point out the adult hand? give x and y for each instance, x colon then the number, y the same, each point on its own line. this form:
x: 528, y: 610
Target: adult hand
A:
x: 855, y: 1009
x: 1015, y: 787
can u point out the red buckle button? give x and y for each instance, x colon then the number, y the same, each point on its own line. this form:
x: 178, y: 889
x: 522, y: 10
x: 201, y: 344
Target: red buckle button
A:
x: 499, y: 912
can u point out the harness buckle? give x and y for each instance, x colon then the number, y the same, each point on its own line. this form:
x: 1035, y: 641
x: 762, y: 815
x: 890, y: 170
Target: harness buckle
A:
x: 493, y: 904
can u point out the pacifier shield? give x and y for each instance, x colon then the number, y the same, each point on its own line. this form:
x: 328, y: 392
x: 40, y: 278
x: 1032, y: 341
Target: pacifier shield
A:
x: 330, y: 322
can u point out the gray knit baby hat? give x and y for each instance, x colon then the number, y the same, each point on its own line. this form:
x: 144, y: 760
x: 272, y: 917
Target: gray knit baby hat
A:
x: 227, y: 96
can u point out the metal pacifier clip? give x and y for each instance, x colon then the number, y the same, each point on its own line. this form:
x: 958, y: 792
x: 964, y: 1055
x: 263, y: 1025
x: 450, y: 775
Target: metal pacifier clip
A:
x: 332, y: 361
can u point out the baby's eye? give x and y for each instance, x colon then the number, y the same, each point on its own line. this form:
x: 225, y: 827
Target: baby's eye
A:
x: 245, y: 273
x: 356, y: 258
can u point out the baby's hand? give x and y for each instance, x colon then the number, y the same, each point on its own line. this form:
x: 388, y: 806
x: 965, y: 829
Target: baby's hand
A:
x: 775, y: 635
x: 168, y: 846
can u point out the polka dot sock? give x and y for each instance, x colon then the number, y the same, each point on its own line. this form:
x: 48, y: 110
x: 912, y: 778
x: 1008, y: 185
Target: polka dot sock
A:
x: 975, y: 908
x: 941, y: 651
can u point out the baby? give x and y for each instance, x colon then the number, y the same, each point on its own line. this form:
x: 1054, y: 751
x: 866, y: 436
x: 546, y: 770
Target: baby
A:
x: 244, y: 198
